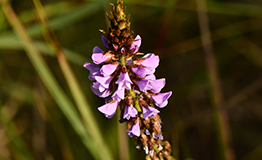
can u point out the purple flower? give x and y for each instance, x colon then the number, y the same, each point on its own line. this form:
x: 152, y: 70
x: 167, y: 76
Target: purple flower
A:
x: 144, y: 85
x: 150, y: 83
x: 158, y: 85
x: 149, y: 112
x: 119, y: 94
x: 140, y: 71
x: 129, y: 111
x: 150, y: 61
x: 105, y: 42
x: 104, y: 81
x: 146, y: 66
x: 108, y: 69
x: 150, y: 77
x: 94, y: 70
x: 109, y: 109
x: 136, y: 44
x: 134, y: 130
x: 98, y: 56
x: 99, y: 90
x: 161, y: 99
x: 124, y: 81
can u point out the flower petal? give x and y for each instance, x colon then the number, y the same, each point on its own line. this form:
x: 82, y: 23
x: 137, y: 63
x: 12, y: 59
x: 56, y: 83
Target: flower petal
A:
x: 149, y: 112
x: 104, y: 81
x: 119, y: 94
x: 108, y: 69
x: 124, y: 81
x: 151, y: 62
x: 98, y: 56
x: 158, y: 85
x: 94, y: 70
x: 136, y: 44
x: 109, y: 109
x: 144, y: 85
x: 105, y: 42
x: 129, y: 111
x: 140, y: 71
x: 134, y: 130
x: 95, y: 88
x: 161, y: 99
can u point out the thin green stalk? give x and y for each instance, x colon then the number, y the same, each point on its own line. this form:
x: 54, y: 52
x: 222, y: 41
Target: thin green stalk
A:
x: 42, y: 69
x: 80, y: 100
x: 220, y: 115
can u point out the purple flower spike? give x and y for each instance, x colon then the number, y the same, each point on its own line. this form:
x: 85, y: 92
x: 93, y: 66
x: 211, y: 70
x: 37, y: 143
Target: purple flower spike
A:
x: 94, y: 70
x: 134, y: 130
x: 144, y: 85
x: 140, y: 71
x: 130, y: 111
x: 149, y: 112
x: 161, y: 99
x: 124, y: 81
x: 105, y: 42
x: 108, y: 69
x: 136, y: 44
x: 151, y: 61
x: 98, y: 56
x: 158, y: 85
x: 119, y: 94
x: 109, y: 109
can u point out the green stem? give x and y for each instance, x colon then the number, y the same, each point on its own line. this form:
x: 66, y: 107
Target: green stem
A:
x: 136, y: 103
x: 123, y: 60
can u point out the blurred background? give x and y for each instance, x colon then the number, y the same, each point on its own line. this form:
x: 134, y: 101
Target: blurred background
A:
x: 47, y: 109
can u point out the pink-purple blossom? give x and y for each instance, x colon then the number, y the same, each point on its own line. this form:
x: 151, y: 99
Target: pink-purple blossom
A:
x: 134, y: 130
x: 108, y: 69
x: 119, y: 94
x: 105, y: 42
x: 104, y: 81
x: 99, y: 90
x: 150, y: 61
x: 109, y: 109
x: 149, y: 112
x: 124, y: 81
x: 129, y: 112
x: 99, y: 57
x: 144, y: 85
x: 140, y: 71
x: 94, y: 70
x: 161, y: 99
x: 157, y: 85
x: 136, y: 44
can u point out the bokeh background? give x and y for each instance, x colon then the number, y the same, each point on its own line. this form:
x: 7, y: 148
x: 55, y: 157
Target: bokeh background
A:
x: 48, y: 111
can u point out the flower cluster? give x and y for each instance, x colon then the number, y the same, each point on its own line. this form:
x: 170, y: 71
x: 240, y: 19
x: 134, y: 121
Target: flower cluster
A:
x: 125, y: 77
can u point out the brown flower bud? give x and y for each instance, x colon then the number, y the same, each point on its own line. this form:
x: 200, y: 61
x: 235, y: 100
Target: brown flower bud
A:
x: 146, y: 123
x: 124, y: 69
x: 129, y: 100
x: 143, y: 103
x: 156, y: 128
x: 144, y: 139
